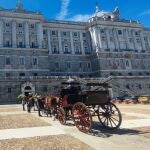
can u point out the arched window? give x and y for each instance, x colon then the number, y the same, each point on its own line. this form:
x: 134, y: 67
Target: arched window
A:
x: 66, y: 49
x: 9, y: 90
x: 130, y: 74
x: 8, y: 62
x: 32, y: 45
x: 45, y: 89
x: 140, y: 87
x: 27, y: 88
x: 127, y: 86
x: 68, y: 65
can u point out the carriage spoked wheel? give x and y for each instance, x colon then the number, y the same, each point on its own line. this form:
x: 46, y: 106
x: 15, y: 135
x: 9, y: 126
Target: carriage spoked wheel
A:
x: 61, y: 115
x: 82, y: 117
x: 109, y: 116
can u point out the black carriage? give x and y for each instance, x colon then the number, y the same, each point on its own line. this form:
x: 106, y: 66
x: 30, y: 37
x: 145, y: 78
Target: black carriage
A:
x: 84, y: 104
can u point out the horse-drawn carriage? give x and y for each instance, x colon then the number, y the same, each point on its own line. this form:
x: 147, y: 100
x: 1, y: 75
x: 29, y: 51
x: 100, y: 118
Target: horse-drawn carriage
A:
x: 82, y: 104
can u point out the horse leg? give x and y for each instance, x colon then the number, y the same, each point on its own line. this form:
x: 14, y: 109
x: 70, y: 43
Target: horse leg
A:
x: 50, y: 112
x: 39, y: 112
x: 23, y: 107
x: 55, y: 112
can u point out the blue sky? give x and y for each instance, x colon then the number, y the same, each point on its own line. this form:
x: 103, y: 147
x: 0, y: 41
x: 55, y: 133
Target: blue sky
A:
x: 80, y: 10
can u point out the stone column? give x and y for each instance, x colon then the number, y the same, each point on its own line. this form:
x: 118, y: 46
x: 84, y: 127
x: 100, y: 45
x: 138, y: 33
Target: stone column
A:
x: 98, y: 32
x: 127, y: 39
x: 108, y: 38
x: 72, y: 43
x: 134, y: 40
x: 14, y: 35
x: 27, y: 35
x: 40, y: 35
x: 89, y: 42
x: 81, y: 41
x: 142, y: 40
x: 49, y: 42
x: 96, y: 39
x: 116, y: 39
x: 148, y: 38
x: 92, y: 39
x: 60, y: 43
x: 1, y: 33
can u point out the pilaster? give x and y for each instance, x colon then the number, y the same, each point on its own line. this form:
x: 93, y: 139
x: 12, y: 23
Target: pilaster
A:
x: 27, y: 43
x: 40, y: 34
x: 116, y: 39
x: 1, y: 33
x: 60, y: 42
x: 14, y: 34
x: 134, y: 39
x: 49, y: 42
x: 81, y: 41
x: 127, y: 39
x: 72, y: 43
x: 108, y: 38
x: 142, y: 40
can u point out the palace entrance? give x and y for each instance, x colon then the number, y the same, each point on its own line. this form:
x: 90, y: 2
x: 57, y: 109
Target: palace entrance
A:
x: 27, y: 88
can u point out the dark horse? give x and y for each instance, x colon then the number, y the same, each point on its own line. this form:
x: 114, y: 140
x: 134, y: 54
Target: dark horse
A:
x: 50, y: 105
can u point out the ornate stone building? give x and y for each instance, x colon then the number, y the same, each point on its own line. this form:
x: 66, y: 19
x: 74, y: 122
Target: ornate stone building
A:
x: 32, y: 47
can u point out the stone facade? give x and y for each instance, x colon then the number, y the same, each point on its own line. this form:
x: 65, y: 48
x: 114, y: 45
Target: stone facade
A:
x: 106, y: 45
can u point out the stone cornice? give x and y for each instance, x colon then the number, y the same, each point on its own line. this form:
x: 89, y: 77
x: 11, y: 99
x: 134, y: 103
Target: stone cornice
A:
x: 68, y: 25
x: 20, y: 15
x: 24, y: 49
x: 115, y: 24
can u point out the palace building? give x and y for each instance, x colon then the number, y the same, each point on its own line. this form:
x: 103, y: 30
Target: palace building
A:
x: 33, y: 50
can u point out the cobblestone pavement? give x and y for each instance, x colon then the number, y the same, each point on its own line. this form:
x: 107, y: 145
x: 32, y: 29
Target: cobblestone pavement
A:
x: 133, y: 134
x: 20, y: 121
x: 23, y: 131
x: 61, y: 142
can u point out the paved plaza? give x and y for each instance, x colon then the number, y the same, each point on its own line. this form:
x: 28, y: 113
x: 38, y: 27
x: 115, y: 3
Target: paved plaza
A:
x: 22, y: 131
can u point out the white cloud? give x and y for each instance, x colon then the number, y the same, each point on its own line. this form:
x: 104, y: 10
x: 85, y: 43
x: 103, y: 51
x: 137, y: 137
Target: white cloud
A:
x: 81, y: 17
x: 146, y: 12
x: 64, y: 9
x: 64, y: 13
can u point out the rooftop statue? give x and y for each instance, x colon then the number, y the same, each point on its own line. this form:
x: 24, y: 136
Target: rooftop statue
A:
x: 116, y: 13
x: 19, y: 5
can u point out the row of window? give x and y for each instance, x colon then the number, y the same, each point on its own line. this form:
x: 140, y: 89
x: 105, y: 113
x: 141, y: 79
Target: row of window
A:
x: 77, y: 49
x: 19, y: 44
x: 130, y: 74
x: 35, y: 62
x: 22, y: 61
x: 9, y: 89
x: 139, y: 86
x: 54, y: 33
x: 68, y: 64
x: 132, y: 86
x: 112, y: 39
x: 128, y: 86
x: 120, y: 32
x: 64, y: 33
x: 19, y: 25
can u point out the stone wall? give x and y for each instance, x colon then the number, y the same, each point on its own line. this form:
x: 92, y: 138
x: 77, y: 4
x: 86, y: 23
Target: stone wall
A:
x: 11, y: 88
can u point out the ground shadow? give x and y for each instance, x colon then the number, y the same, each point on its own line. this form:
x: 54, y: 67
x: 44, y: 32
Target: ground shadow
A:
x: 100, y: 131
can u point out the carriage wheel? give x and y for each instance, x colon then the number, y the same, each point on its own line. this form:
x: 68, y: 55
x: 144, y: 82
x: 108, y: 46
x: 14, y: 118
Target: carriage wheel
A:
x: 109, y: 116
x: 61, y: 115
x: 82, y: 117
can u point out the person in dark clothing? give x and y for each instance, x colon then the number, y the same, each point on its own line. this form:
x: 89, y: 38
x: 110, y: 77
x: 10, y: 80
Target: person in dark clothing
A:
x: 29, y: 103
x: 40, y: 103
